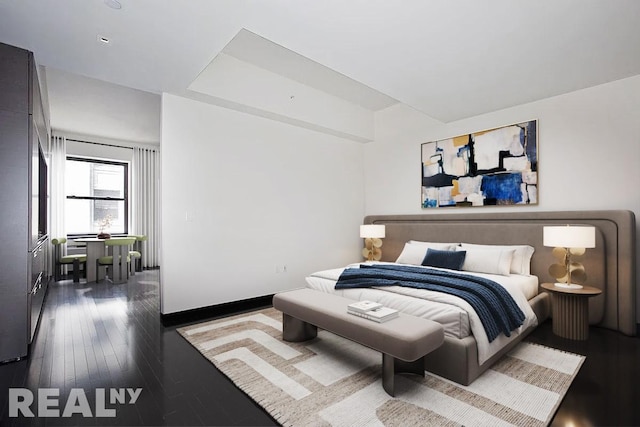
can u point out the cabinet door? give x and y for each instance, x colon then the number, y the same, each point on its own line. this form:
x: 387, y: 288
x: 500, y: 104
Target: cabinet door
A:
x: 15, y: 190
x: 38, y: 288
x: 14, y: 227
x: 15, y: 79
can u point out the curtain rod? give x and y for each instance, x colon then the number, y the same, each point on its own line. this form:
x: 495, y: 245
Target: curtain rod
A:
x: 112, y: 145
x: 99, y: 143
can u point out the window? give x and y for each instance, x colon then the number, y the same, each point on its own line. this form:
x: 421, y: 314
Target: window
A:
x: 97, y: 197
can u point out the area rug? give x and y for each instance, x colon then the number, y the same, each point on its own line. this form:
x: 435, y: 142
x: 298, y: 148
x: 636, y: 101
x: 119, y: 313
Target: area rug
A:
x: 331, y: 381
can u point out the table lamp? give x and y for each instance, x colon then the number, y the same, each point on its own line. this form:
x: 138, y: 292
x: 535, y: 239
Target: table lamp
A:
x: 372, y: 235
x: 568, y: 241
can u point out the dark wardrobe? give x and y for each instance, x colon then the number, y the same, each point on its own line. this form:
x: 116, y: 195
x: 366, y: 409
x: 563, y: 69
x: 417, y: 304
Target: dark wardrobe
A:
x: 24, y: 142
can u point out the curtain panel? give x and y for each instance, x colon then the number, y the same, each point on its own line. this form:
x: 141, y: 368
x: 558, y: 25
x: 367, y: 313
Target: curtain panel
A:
x: 58, y: 195
x: 145, y: 187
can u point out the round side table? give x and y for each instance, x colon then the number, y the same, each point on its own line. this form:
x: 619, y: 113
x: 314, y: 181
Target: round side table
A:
x: 570, y: 310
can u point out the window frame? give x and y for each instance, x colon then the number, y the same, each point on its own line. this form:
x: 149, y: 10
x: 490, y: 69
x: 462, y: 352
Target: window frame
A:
x: 125, y: 165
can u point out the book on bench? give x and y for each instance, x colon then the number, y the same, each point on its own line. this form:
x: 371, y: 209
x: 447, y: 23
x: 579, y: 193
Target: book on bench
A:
x: 363, y: 306
x: 378, y: 314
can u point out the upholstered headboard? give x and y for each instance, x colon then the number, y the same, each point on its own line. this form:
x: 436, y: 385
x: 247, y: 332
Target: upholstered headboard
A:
x: 610, y: 265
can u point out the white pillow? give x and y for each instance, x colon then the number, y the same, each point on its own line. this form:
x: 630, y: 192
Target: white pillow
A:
x: 414, y: 253
x: 492, y: 261
x: 521, y: 262
x: 434, y: 245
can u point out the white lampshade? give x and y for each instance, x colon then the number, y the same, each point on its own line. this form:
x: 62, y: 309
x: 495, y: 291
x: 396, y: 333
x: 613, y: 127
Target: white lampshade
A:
x: 373, y: 231
x: 569, y: 236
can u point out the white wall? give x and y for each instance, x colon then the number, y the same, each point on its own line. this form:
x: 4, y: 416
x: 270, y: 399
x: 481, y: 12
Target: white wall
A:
x: 243, y: 195
x: 83, y: 105
x: 588, y: 152
x: 97, y: 151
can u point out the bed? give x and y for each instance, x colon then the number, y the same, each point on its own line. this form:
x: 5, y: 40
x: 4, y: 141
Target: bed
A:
x: 465, y: 355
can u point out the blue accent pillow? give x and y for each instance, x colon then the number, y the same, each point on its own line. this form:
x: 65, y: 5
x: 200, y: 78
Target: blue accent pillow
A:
x: 452, y: 260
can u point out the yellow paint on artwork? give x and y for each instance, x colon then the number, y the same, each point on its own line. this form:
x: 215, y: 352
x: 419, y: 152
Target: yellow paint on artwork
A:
x: 456, y: 188
x: 460, y: 141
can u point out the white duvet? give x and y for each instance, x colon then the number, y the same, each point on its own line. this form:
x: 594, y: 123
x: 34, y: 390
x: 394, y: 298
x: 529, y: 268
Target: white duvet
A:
x: 456, y: 316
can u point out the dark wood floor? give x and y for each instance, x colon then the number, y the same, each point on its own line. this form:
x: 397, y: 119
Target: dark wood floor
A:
x: 104, y: 336
x: 606, y: 391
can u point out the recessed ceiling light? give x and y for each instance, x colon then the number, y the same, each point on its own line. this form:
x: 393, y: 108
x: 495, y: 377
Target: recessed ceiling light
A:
x: 113, y: 4
x: 103, y: 39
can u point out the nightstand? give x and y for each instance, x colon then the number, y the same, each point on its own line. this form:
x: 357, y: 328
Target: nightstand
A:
x: 570, y: 310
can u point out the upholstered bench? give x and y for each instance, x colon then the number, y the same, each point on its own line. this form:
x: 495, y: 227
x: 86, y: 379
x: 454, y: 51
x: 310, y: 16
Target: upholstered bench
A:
x: 403, y: 341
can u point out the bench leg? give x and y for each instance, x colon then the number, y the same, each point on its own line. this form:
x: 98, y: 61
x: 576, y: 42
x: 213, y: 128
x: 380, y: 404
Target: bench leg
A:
x: 392, y: 366
x: 296, y: 330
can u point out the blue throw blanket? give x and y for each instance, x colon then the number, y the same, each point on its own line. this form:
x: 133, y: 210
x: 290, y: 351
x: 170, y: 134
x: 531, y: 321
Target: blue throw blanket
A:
x: 497, y: 310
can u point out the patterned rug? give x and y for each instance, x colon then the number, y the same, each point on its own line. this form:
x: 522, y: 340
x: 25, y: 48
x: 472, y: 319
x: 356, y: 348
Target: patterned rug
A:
x: 331, y: 381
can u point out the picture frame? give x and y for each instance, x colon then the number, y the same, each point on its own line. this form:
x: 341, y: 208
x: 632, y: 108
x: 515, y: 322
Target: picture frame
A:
x: 494, y: 167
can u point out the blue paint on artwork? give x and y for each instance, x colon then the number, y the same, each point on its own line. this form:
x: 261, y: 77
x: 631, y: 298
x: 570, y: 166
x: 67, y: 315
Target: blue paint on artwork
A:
x: 430, y: 203
x: 504, y: 188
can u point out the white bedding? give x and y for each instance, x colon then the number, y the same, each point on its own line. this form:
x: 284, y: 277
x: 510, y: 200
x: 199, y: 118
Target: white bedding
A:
x: 457, y: 317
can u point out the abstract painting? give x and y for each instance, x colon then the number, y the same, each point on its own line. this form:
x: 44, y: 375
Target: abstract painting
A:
x: 488, y: 168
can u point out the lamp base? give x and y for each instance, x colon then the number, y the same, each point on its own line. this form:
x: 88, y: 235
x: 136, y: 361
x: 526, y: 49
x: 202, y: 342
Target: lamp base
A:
x: 371, y: 250
x: 568, y: 285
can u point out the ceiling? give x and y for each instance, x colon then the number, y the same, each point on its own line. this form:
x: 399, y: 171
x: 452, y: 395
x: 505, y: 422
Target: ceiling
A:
x: 447, y: 59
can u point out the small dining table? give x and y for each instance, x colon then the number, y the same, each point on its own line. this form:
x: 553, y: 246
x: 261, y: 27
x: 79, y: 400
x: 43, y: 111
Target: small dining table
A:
x: 96, y: 249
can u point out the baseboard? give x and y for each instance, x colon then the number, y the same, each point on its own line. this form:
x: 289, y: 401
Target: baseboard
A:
x: 213, y: 311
